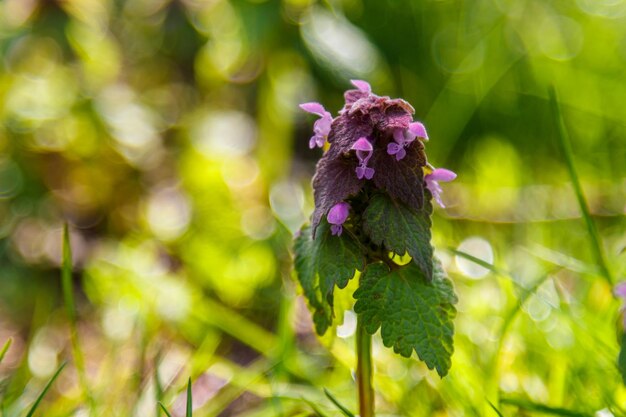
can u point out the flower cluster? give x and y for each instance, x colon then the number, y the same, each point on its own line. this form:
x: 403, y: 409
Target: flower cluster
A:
x: 374, y: 143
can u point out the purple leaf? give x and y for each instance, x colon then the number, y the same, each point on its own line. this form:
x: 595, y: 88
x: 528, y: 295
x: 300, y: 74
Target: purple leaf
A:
x: 334, y: 182
x: 404, y: 179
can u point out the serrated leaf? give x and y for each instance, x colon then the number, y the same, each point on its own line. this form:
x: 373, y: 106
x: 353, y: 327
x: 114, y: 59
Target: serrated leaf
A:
x: 322, y: 263
x: 413, y: 313
x: 401, y: 229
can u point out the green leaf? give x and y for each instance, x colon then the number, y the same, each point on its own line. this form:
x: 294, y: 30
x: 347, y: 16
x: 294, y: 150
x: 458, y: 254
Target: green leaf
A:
x: 340, y: 406
x: 45, y: 390
x: 621, y: 360
x: 315, y: 408
x: 413, y: 313
x: 401, y: 229
x: 189, y: 400
x: 322, y: 263
x: 544, y: 409
x: 167, y: 413
x: 66, y: 276
x: 5, y: 348
x: 495, y: 409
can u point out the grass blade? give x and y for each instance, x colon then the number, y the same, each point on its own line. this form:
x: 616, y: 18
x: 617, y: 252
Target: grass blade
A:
x: 70, y: 306
x: 66, y: 276
x: 45, y: 390
x: 5, y: 348
x: 314, y: 407
x: 566, y: 148
x: 480, y: 262
x: 167, y: 413
x: 493, y: 407
x: 158, y: 388
x: 340, y: 406
x: 189, y: 400
x: 541, y: 408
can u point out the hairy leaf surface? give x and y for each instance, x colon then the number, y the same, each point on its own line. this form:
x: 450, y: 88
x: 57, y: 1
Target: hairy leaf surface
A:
x: 401, y: 229
x: 413, y: 313
x: 404, y: 179
x: 321, y: 263
x: 334, y: 181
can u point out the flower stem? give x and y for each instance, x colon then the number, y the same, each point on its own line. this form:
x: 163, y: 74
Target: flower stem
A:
x: 364, y: 371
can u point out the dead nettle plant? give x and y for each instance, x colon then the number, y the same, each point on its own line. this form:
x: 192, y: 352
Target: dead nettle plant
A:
x: 373, y: 189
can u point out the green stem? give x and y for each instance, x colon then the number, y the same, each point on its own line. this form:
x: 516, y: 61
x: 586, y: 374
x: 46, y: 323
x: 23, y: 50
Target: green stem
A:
x: 566, y: 147
x: 364, y: 370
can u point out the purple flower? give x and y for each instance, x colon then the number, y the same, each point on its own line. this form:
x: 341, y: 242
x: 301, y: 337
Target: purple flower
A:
x: 321, y: 127
x: 417, y: 129
x: 363, y: 86
x: 404, y: 137
x: 620, y: 292
x: 364, y: 151
x: 432, y: 182
x: 337, y: 215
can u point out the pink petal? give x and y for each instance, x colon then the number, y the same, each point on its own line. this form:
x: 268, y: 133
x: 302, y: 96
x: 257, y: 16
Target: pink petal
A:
x: 441, y: 174
x: 362, y: 144
x: 338, y: 213
x: 398, y: 136
x: 437, y: 198
x: 393, y: 148
x: 362, y: 85
x: 366, y: 172
x: 418, y: 130
x: 620, y: 290
x: 315, y: 108
x: 400, y: 154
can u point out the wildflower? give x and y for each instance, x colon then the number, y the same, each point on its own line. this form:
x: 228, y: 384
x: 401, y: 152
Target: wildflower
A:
x: 337, y: 215
x: 321, y: 127
x: 432, y: 182
x: 364, y: 151
x: 363, y: 86
x: 404, y: 137
x: 365, y: 126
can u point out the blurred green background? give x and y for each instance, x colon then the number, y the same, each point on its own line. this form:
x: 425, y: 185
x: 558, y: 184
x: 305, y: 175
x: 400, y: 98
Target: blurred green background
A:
x: 167, y: 133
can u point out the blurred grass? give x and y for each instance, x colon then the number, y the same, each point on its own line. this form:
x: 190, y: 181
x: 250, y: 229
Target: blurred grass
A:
x: 566, y: 148
x: 5, y: 348
x: 68, y: 298
x: 35, y: 405
x: 167, y: 135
